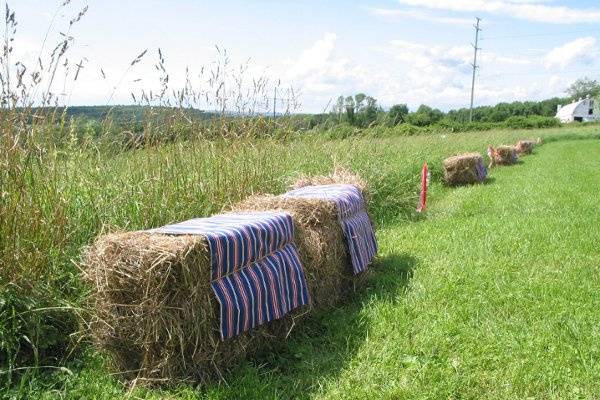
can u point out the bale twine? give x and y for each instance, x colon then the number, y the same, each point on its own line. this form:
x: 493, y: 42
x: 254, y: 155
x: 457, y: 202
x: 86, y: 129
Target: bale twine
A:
x: 155, y: 312
x: 464, y: 169
x: 524, y: 147
x: 505, y: 155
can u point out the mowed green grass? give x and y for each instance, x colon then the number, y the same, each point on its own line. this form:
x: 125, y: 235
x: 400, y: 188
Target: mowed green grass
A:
x: 495, y: 294
x: 503, y: 299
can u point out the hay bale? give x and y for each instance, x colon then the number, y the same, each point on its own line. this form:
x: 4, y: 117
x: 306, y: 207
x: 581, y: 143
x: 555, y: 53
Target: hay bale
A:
x: 318, y: 236
x: 156, y: 314
x: 524, y: 147
x: 505, y: 155
x: 320, y: 242
x: 338, y: 176
x: 464, y: 169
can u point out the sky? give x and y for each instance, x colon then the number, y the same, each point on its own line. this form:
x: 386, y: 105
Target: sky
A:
x: 398, y: 51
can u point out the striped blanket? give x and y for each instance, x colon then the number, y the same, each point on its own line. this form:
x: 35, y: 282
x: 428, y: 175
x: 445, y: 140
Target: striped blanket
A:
x: 353, y: 217
x: 481, y: 171
x: 256, y: 274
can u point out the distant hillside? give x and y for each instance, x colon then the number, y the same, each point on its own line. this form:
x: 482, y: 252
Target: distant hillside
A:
x: 124, y: 113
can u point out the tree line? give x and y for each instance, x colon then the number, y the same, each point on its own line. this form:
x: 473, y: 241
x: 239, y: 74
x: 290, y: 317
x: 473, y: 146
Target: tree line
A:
x: 363, y: 111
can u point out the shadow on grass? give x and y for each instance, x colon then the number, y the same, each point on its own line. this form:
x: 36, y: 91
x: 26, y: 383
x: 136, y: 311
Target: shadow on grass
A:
x: 322, y: 346
x: 490, y: 180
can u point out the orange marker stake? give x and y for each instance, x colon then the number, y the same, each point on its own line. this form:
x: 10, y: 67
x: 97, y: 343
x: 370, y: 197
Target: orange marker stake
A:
x: 422, y: 207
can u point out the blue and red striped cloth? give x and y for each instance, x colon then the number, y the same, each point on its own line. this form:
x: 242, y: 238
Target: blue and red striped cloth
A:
x: 481, y: 170
x: 256, y: 273
x: 353, y: 217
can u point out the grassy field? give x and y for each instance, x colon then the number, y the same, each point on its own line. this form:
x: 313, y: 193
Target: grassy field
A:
x: 493, y: 295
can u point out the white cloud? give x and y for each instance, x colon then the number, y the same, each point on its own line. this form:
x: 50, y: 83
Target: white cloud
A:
x: 532, y: 10
x: 320, y: 76
x: 418, y: 15
x: 555, y: 82
x: 506, y: 60
x: 410, y: 72
x: 441, y: 75
x: 581, y: 49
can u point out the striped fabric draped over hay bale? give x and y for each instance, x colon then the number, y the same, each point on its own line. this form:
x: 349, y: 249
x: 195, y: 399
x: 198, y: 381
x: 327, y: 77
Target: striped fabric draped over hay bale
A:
x: 353, y: 218
x: 256, y: 274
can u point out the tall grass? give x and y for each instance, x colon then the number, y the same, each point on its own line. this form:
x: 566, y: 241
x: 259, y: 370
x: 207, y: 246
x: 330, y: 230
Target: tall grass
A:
x: 62, y: 183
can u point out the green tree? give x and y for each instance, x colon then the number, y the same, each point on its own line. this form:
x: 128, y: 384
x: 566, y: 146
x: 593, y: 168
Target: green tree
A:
x: 425, y: 115
x: 368, y: 115
x: 583, y: 87
x: 350, y: 106
x: 339, y: 108
x: 359, y: 102
x: 397, y: 114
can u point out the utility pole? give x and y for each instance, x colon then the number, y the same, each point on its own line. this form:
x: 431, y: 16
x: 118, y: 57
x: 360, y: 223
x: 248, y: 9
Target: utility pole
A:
x: 274, y: 101
x: 476, y: 48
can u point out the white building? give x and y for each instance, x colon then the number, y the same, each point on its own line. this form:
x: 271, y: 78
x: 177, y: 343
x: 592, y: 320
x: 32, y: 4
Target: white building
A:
x: 582, y: 110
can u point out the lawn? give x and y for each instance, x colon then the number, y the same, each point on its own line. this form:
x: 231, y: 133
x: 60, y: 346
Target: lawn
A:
x: 492, y: 295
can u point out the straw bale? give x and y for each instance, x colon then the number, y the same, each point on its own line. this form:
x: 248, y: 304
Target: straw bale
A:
x: 464, y: 169
x: 338, y: 176
x: 505, y: 155
x: 524, y: 147
x: 155, y: 312
x: 320, y: 242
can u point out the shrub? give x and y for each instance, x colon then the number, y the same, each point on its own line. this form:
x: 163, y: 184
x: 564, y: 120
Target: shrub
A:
x: 531, y: 122
x: 342, y: 131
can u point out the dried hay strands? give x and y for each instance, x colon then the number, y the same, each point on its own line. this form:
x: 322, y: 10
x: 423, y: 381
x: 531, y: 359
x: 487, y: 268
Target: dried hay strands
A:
x: 502, y: 155
x: 155, y: 310
x: 320, y: 242
x: 464, y: 169
x: 524, y: 147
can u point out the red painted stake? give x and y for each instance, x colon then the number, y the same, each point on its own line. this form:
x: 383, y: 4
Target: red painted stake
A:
x: 424, y: 183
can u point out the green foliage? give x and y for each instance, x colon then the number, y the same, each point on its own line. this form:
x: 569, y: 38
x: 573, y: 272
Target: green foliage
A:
x: 584, y: 87
x: 359, y: 110
x: 397, y: 114
x: 425, y: 116
x: 341, y: 131
x: 33, y: 328
x: 445, y: 125
x: 502, y: 111
x: 531, y: 122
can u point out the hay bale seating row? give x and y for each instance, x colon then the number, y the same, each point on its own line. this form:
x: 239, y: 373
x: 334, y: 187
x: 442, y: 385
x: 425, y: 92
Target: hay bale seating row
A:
x: 468, y: 168
x: 156, y: 313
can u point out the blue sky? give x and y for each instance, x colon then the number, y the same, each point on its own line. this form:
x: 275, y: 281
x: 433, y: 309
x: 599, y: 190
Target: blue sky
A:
x: 399, y: 51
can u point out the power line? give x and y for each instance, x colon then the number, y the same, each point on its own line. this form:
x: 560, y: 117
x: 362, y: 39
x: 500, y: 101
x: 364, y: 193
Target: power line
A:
x: 573, y: 71
x: 540, y: 34
x: 475, y: 49
x: 274, y: 101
